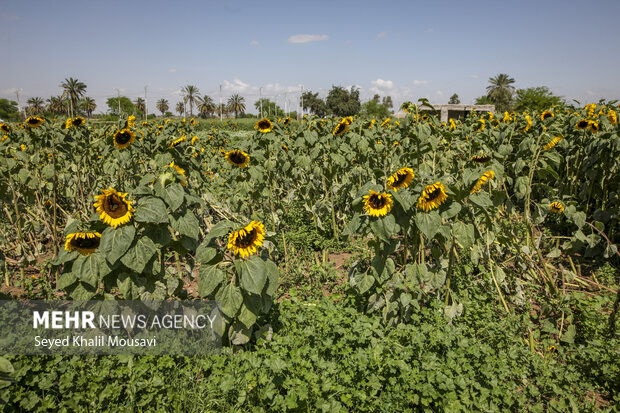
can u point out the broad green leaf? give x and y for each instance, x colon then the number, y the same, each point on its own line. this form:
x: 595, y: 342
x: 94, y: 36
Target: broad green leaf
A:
x: 65, y: 280
x: 273, y: 277
x: 87, y: 268
x: 173, y: 194
x: 362, y: 282
x: 481, y: 199
x: 230, y: 299
x: 464, y: 234
x: 385, y: 227
x: 205, y: 254
x: 186, y: 224
x: 152, y: 210
x: 139, y: 254
x: 428, y: 223
x: 239, y: 334
x: 116, y: 242
x: 253, y: 275
x: 247, y: 316
x: 209, y: 279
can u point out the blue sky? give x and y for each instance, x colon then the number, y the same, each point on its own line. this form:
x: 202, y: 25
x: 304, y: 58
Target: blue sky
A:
x: 405, y: 49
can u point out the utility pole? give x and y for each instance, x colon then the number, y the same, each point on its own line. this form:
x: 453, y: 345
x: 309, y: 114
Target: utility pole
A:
x: 118, y: 99
x: 302, y: 101
x: 146, y: 105
x: 260, y: 99
x: 220, y: 108
x: 285, y: 106
x: 19, y: 106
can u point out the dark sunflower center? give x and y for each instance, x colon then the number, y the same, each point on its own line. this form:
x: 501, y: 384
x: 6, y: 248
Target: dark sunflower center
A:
x: 400, y: 178
x: 431, y: 196
x: 247, y: 240
x: 85, y: 243
x: 377, y: 201
x: 32, y: 121
x: 237, y: 158
x: 123, y: 137
x: 481, y: 158
x: 77, y: 122
x: 5, y: 129
x: 340, y: 128
x: 114, y: 206
x: 264, y: 124
x: 582, y: 124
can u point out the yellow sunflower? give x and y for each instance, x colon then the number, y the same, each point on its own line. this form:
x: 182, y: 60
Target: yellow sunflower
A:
x: 246, y: 240
x: 546, y: 115
x: 400, y: 179
x: 529, y: 122
x: 194, y: 139
x: 432, y: 197
x: 341, y: 128
x: 556, y: 207
x: 386, y: 122
x: 5, y: 128
x: 180, y: 170
x: 553, y: 142
x: 582, y: 124
x: 68, y: 123
x: 178, y: 141
x: 113, y: 208
x: 34, y: 121
x: 612, y: 116
x: 238, y: 158
x: 377, y: 204
x: 193, y: 122
x: 481, y: 158
x: 287, y: 120
x: 483, y: 180
x: 593, y: 126
x: 482, y: 123
x: 264, y: 125
x: 84, y: 242
x: 78, y: 122
x: 123, y: 138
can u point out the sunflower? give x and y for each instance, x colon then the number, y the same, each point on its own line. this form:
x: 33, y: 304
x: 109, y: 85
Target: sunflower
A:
x: 287, y: 120
x: 556, y: 207
x: 529, y: 122
x: 5, y: 128
x: 178, y: 141
x: 593, y: 126
x: 553, y: 142
x: 348, y: 119
x: 341, y: 128
x: 68, y: 123
x: 432, y: 197
x: 238, y: 158
x: 401, y: 179
x: 582, y: 124
x: 481, y: 158
x: 452, y: 124
x: 34, y: 121
x: 482, y: 123
x: 612, y: 116
x: 372, y: 123
x: 193, y: 122
x: 264, y: 125
x: 131, y: 122
x: 78, y: 122
x: 123, y: 138
x: 386, y: 122
x: 84, y: 242
x: 194, y: 139
x: 546, y: 115
x: 483, y: 180
x: 113, y: 208
x: 377, y: 204
x: 180, y: 170
x: 246, y: 240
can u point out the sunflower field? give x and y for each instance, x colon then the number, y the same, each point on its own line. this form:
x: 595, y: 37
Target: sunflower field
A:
x: 359, y: 264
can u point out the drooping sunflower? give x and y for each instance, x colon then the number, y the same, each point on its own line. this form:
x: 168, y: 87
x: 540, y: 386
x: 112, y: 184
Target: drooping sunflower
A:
x: 593, y: 126
x: 556, y: 207
x: 180, y: 170
x: 123, y: 138
x: 377, y: 204
x: 246, y: 240
x: 612, y: 116
x: 238, y: 158
x: 264, y: 125
x: 194, y: 140
x: 482, y: 124
x: 348, y: 119
x: 481, y: 158
x: 482, y: 180
x: 68, y: 123
x: 386, y: 122
x: 341, y: 128
x: 34, y: 121
x: 432, y: 197
x: 553, y: 142
x: 400, y: 179
x: 78, y: 122
x: 582, y: 124
x: 546, y: 115
x: 193, y: 122
x: 528, y: 121
x: 287, y: 120
x: 177, y: 141
x: 5, y: 128
x: 113, y: 208
x: 84, y: 242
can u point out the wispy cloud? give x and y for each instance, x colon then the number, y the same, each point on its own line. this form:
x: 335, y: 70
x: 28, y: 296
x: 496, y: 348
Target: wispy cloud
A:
x: 381, y: 35
x: 306, y: 38
x: 254, y: 43
x: 420, y: 82
x: 172, y: 70
x: 383, y: 84
x: 236, y: 85
x: 474, y: 76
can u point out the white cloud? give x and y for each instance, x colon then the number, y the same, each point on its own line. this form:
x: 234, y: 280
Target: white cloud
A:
x: 381, y: 35
x: 439, y: 93
x: 383, y: 84
x: 172, y: 70
x: 420, y: 82
x: 305, y: 38
x: 474, y: 76
x: 254, y: 43
x: 236, y: 85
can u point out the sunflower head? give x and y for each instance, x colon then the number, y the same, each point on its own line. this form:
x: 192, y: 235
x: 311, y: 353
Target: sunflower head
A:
x: 593, y: 126
x: 287, y: 120
x: 238, y: 158
x: 123, y: 138
x: 341, y: 128
x: 481, y: 158
x: 553, y: 142
x: 582, y: 124
x: 78, y: 122
x: 180, y: 171
x: 482, y: 180
x: 546, y: 115
x: 177, y: 141
x: 246, y: 240
x: 612, y: 116
x: 432, y: 197
x: 386, y: 122
x: 5, y: 128
x: 556, y: 207
x: 113, y: 208
x: 68, y: 123
x: 401, y: 178
x: 84, y: 242
x: 193, y: 122
x: 377, y: 204
x: 34, y: 121
x: 264, y: 125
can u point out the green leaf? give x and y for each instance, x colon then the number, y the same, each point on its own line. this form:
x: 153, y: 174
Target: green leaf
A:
x: 481, y: 199
x: 239, y: 334
x: 273, y: 277
x: 221, y: 228
x: 65, y: 280
x: 6, y: 366
x: 362, y: 282
x: 205, y: 254
x: 464, y: 234
x: 87, y: 268
x: 247, y: 316
x: 152, y: 210
x: 209, y: 279
x: 428, y: 223
x: 186, y: 224
x: 253, y: 275
x: 139, y: 254
x: 453, y: 209
x: 173, y: 194
x: 579, y: 219
x: 47, y: 172
x: 116, y: 242
x: 230, y: 299
x: 384, y: 228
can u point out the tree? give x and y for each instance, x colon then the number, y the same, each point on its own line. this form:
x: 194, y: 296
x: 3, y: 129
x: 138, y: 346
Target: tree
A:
x: 125, y: 104
x: 387, y: 102
x: 536, y: 99
x: 376, y: 98
x: 500, y: 91
x: 73, y: 90
x: 206, y: 106
x: 269, y: 108
x: 180, y: 108
x: 162, y: 106
x: 483, y: 100
x: 36, y: 105
x: 190, y: 94
x: 454, y: 100
x: 8, y: 109
x: 88, y: 105
x: 236, y: 104
x: 341, y: 102
x: 314, y: 103
x: 375, y: 109
x: 140, y: 104
x: 57, y: 105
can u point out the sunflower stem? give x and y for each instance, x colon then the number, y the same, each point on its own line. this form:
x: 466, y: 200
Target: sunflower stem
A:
x: 491, y: 265
x: 450, y: 264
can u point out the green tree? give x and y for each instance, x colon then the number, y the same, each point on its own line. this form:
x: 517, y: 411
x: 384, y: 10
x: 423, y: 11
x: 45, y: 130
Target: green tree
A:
x: 73, y: 90
x: 500, y: 91
x: 58, y: 105
x: 374, y: 109
x: 191, y: 94
x: 387, y: 102
x: 341, y: 102
x: 162, y: 106
x: 454, y: 100
x: 139, y: 105
x: 88, y: 105
x: 36, y: 105
x: 126, y: 105
x: 8, y: 110
x: 269, y: 108
x: 484, y: 100
x: 314, y: 103
x: 236, y: 104
x: 180, y: 108
x: 376, y: 98
x: 536, y: 99
x: 206, y: 106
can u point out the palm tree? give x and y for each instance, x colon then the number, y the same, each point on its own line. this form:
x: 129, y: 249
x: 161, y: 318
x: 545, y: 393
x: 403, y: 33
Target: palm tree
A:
x: 35, y: 105
x: 236, y: 104
x: 162, y: 106
x: 190, y: 93
x: 88, y: 105
x: 140, y: 104
x: 73, y: 89
x: 180, y: 108
x: 206, y: 106
x: 55, y: 104
x: 500, y: 91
